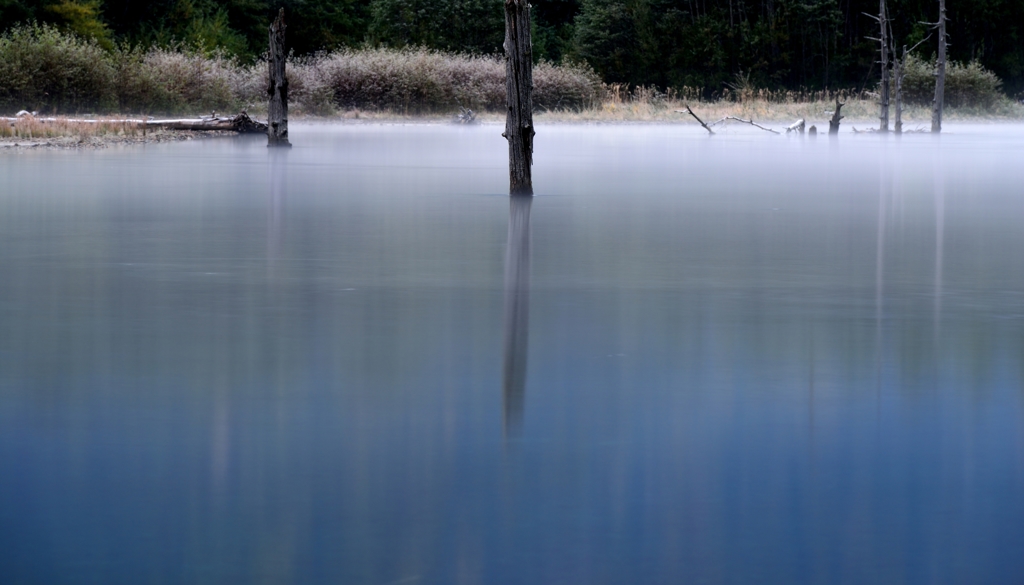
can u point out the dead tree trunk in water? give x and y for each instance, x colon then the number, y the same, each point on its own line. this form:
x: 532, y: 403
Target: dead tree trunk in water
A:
x: 519, y: 90
x: 883, y: 20
x: 833, y: 124
x: 277, y: 111
x: 940, y: 72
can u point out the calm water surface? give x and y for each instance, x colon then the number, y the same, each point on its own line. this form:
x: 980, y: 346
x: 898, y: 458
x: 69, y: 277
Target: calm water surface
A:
x: 746, y: 359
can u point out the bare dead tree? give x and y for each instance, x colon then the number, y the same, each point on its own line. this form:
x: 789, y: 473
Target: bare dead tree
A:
x: 940, y: 71
x: 897, y: 80
x: 519, y: 94
x: 898, y: 73
x: 883, y: 41
x: 277, y: 111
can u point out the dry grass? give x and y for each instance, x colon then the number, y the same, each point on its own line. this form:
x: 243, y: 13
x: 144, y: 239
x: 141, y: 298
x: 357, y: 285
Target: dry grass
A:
x: 647, y: 105
x: 29, y: 128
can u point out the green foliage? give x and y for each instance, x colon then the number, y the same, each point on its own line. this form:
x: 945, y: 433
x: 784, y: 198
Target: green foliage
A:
x: 967, y: 85
x: 198, y: 27
x: 471, y: 26
x: 778, y: 44
x: 82, y: 19
x: 553, y: 29
x: 51, y: 71
x: 44, y: 69
x: 607, y: 36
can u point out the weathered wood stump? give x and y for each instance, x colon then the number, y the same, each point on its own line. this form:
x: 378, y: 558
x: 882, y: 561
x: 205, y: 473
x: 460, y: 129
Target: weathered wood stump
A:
x: 883, y: 21
x: 519, y: 91
x: 833, y: 124
x: 940, y: 71
x: 897, y: 81
x: 277, y: 111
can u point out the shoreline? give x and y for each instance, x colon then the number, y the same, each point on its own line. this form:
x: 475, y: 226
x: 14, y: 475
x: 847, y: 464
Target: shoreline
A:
x: 777, y: 116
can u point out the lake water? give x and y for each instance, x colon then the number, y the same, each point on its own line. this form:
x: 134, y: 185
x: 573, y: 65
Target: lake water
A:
x: 740, y: 359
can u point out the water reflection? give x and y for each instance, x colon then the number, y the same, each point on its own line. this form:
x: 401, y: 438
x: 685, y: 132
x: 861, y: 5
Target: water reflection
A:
x: 278, y: 180
x: 517, y: 312
x: 171, y: 406
x: 940, y: 229
x: 880, y: 279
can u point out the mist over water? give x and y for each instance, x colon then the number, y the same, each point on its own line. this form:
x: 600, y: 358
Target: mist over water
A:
x: 739, y: 359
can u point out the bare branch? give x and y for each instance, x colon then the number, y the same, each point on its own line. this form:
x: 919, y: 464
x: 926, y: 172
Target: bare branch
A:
x: 752, y: 123
x: 905, y: 51
x: 689, y: 111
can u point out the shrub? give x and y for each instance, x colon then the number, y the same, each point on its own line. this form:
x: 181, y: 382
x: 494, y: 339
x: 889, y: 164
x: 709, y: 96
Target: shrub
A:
x: 969, y: 85
x: 47, y: 70
x: 187, y: 80
x: 423, y: 80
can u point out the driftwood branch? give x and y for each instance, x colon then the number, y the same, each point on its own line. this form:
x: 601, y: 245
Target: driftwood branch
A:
x: 752, y: 123
x: 465, y: 116
x: 241, y: 123
x: 797, y: 126
x: 695, y: 117
x: 727, y: 118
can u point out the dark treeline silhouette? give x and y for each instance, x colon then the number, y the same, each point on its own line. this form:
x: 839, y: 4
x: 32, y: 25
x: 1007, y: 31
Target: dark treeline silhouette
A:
x: 710, y: 44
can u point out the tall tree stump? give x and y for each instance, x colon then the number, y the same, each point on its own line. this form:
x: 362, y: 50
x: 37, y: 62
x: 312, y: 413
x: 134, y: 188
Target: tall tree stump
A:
x: 940, y: 72
x: 277, y: 111
x: 883, y: 21
x: 519, y: 90
x: 833, y: 124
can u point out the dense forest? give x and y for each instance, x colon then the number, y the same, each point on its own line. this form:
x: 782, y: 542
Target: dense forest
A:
x: 667, y: 43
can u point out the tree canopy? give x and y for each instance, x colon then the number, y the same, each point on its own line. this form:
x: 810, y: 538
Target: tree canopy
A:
x: 667, y: 43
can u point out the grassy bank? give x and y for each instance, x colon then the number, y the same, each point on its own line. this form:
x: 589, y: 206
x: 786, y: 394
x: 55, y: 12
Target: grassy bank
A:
x: 778, y: 107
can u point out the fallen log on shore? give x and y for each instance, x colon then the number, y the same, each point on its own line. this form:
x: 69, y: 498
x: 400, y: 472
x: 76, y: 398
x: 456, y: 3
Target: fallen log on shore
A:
x: 241, y: 123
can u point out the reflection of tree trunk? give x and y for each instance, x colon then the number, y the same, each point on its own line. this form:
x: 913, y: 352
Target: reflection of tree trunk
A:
x: 275, y: 205
x: 517, y: 311
x: 880, y: 282
x: 940, y: 233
